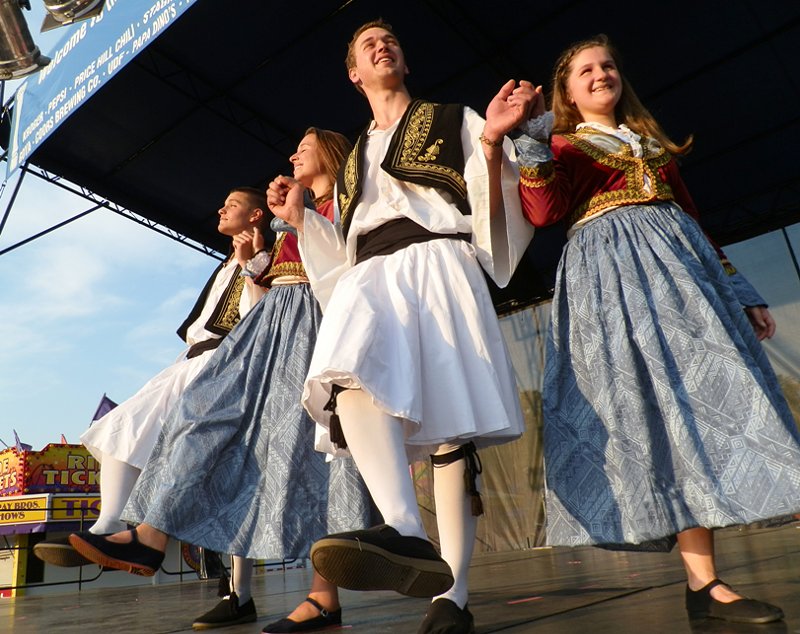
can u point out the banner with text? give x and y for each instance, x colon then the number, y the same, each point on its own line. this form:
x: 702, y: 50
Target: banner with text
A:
x: 90, y: 53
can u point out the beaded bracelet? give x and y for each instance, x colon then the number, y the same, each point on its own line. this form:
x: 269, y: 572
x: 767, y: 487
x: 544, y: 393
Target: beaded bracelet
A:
x: 489, y: 142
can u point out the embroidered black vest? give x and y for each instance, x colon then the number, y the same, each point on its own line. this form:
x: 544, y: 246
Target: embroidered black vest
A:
x: 226, y: 312
x: 425, y: 149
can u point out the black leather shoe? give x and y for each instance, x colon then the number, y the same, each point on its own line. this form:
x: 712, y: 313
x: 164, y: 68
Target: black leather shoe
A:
x: 59, y: 552
x: 700, y: 604
x: 445, y: 617
x: 322, y: 622
x: 382, y: 559
x: 133, y: 557
x: 227, y: 612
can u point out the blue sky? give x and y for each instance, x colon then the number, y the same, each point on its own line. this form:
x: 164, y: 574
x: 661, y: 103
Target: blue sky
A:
x: 91, y: 308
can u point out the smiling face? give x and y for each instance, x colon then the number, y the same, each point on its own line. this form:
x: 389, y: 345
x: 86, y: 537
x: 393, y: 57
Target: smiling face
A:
x: 594, y: 85
x: 379, y: 60
x: 306, y: 161
x: 238, y: 214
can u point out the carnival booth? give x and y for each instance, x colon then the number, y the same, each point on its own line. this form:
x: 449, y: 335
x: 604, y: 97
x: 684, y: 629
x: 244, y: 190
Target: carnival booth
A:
x: 50, y: 493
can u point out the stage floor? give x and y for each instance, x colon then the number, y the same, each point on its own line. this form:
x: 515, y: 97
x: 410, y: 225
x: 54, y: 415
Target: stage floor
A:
x: 582, y: 590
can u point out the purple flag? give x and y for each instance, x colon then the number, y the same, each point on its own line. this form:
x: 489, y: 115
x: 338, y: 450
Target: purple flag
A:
x: 106, y: 405
x: 21, y: 446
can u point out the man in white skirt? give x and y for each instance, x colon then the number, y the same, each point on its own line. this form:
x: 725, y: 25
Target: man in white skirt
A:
x: 410, y: 360
x: 122, y: 439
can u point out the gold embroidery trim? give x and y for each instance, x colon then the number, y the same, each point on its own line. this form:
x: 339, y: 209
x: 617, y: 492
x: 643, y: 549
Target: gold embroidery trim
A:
x: 432, y: 152
x: 634, y: 170
x: 282, y: 268
x: 538, y: 176
x: 229, y: 316
x: 287, y: 268
x: 350, y: 182
x: 276, y: 248
x: 412, y: 158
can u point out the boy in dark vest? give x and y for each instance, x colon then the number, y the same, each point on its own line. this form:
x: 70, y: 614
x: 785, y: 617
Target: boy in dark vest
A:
x: 122, y: 439
x: 410, y: 361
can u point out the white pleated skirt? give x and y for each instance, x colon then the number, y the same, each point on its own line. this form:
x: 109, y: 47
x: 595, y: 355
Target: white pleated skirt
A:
x: 129, y: 431
x: 416, y: 330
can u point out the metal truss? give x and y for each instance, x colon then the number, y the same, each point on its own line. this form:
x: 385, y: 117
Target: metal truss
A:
x: 767, y: 210
x: 98, y: 202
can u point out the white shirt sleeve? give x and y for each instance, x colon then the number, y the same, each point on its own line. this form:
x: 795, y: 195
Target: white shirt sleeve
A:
x: 248, y: 299
x: 500, y: 241
x: 324, y: 253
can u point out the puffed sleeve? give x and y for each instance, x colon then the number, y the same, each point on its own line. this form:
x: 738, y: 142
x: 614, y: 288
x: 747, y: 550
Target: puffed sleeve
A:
x: 324, y: 253
x: 545, y: 182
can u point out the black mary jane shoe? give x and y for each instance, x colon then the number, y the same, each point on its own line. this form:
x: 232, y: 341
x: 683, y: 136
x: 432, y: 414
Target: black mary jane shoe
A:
x: 133, y: 557
x: 700, y: 605
x: 60, y: 552
x: 227, y: 612
x: 380, y: 558
x: 324, y: 621
x: 445, y: 617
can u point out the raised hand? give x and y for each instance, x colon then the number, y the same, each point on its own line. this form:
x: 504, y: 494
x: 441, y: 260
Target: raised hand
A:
x: 509, y: 107
x: 243, y: 247
x: 538, y: 106
x: 285, y: 200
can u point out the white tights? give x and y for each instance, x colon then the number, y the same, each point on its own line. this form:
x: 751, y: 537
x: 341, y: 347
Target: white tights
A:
x: 117, y: 480
x: 375, y: 440
x: 242, y: 578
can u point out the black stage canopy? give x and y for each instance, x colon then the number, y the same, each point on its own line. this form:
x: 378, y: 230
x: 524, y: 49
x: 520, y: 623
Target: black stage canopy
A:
x: 222, y: 97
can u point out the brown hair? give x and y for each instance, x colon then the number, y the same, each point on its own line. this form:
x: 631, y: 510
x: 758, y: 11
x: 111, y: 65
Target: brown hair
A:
x: 333, y: 148
x: 350, y: 60
x: 256, y: 198
x: 629, y: 110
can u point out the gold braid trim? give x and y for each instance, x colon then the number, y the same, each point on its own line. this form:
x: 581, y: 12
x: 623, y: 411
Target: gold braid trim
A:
x: 634, y: 170
x: 287, y: 268
x: 537, y: 177
x: 229, y: 316
x: 414, y: 158
x: 350, y: 182
x: 281, y: 268
x: 276, y: 248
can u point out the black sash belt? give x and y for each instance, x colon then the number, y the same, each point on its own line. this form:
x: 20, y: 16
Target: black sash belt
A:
x: 395, y: 235
x: 202, y: 346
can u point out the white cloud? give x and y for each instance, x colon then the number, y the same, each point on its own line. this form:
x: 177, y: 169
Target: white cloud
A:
x: 89, y: 308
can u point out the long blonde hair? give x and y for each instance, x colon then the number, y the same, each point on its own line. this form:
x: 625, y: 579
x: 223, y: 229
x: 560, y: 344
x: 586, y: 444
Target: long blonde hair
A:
x: 629, y: 110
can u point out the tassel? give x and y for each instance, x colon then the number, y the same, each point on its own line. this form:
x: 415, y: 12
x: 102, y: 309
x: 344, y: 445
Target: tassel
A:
x: 224, y: 587
x: 336, y: 431
x: 473, y: 469
x: 477, y: 504
x: 471, y: 473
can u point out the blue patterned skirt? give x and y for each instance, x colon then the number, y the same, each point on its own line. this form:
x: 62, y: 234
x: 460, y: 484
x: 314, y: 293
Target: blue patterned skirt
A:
x: 661, y: 410
x: 235, y: 469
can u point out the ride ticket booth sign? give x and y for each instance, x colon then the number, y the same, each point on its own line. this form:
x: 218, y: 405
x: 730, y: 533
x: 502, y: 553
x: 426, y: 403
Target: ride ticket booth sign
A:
x: 60, y: 483
x: 55, y: 489
x: 54, y: 469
